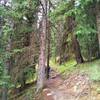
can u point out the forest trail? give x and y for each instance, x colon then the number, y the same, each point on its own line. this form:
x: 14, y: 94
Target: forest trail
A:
x: 76, y: 87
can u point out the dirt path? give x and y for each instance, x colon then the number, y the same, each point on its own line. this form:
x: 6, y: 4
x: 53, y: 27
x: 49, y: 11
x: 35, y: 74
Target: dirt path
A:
x: 75, y: 87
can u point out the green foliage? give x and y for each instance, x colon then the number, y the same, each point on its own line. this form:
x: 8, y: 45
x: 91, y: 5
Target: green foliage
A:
x: 4, y: 77
x: 95, y: 73
x: 2, y: 10
x: 16, y: 51
x: 58, y: 13
x: 86, y: 31
x: 65, y: 68
x: 98, y: 90
x: 85, y: 19
x: 30, y: 73
x: 1, y: 69
x: 23, y: 14
x: 5, y: 36
x: 24, y: 8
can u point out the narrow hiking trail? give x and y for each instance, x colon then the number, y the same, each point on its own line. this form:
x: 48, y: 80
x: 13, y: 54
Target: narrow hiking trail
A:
x: 76, y: 87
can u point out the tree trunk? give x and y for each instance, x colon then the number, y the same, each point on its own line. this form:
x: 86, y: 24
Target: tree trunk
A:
x: 42, y: 55
x: 59, y: 42
x: 48, y: 59
x: 98, y: 21
x: 48, y: 41
x: 48, y: 50
x: 4, y: 92
x: 75, y: 43
x: 77, y: 50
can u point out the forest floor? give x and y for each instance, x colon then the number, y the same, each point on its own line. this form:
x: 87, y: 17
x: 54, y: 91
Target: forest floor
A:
x: 76, y: 86
x: 69, y: 82
x: 73, y: 82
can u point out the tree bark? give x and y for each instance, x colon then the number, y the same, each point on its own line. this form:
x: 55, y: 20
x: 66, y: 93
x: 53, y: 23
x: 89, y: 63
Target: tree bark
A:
x: 77, y: 50
x: 42, y: 56
x: 48, y: 49
x: 59, y: 41
x: 75, y: 43
x: 48, y: 41
x: 76, y: 46
x: 4, y: 93
x: 98, y: 21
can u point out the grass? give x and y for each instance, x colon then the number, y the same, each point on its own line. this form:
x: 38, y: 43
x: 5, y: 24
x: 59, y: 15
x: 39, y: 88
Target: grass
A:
x: 90, y: 68
x: 64, y: 68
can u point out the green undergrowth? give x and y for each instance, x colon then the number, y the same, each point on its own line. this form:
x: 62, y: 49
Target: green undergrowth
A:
x: 65, y: 68
x: 92, y: 69
x: 27, y: 94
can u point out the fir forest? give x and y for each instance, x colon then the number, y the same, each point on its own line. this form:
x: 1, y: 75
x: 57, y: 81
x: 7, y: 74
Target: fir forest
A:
x: 49, y: 49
